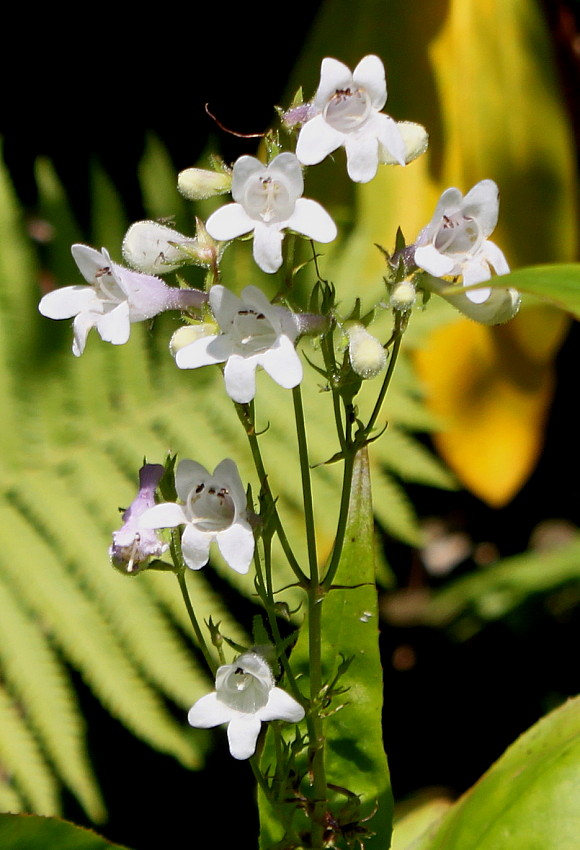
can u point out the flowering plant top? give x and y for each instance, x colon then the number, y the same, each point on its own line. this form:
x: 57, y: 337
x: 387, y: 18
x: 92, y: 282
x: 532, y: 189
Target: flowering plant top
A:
x: 115, y: 298
x: 245, y: 696
x: 254, y: 333
x: 214, y: 509
x: 268, y: 201
x: 455, y: 240
x: 346, y: 112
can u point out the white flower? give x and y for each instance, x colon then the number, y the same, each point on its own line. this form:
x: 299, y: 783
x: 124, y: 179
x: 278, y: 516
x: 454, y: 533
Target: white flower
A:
x: 347, y: 113
x: 115, y: 298
x: 245, y: 696
x: 268, y: 201
x: 214, y: 509
x: 455, y: 240
x: 254, y: 333
x: 132, y: 545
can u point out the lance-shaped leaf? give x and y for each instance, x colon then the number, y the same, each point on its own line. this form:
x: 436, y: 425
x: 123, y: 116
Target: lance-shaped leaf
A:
x: 30, y: 832
x: 355, y: 758
x: 529, y: 798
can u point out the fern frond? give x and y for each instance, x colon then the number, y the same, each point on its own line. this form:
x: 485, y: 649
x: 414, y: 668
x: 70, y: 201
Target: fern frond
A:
x: 22, y: 761
x: 36, y: 677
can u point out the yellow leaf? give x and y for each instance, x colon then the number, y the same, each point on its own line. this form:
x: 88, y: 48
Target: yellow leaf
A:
x: 492, y: 388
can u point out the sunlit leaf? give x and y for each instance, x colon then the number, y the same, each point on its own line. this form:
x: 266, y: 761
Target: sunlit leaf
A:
x: 528, y: 799
x: 30, y: 832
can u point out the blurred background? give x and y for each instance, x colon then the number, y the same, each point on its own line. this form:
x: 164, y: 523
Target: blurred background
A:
x: 476, y: 647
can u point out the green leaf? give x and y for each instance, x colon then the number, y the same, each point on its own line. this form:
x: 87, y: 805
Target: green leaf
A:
x: 558, y: 284
x: 490, y: 594
x: 355, y: 756
x: 527, y: 800
x: 31, y: 832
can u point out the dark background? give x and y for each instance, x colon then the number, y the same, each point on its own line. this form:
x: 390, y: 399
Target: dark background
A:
x: 92, y: 84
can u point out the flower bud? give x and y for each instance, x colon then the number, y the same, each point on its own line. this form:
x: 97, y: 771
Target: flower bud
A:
x: 197, y: 184
x: 156, y: 249
x: 500, y: 306
x: 132, y: 545
x: 415, y: 139
x: 190, y: 333
x: 403, y: 296
x: 367, y: 355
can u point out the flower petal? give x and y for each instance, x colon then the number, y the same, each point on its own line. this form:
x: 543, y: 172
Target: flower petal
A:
x: 68, y: 302
x: 268, y: 246
x: 334, y: 76
x: 229, y: 222
x: 428, y: 257
x: 281, y: 706
x: 389, y: 136
x: 369, y: 74
x: 236, y: 544
x: 243, y: 731
x: 224, y: 304
x: 416, y: 141
x: 208, y: 712
x: 495, y: 257
x: 189, y: 475
x: 165, y: 515
x: 198, y: 354
x: 195, y: 547
x: 81, y: 327
x: 115, y: 326
x: 482, y: 203
x: 317, y: 139
x: 90, y: 261
x: 287, y: 166
x: 362, y: 156
x: 227, y: 473
x: 240, y: 378
x: 283, y: 364
x: 312, y: 220
x: 245, y: 168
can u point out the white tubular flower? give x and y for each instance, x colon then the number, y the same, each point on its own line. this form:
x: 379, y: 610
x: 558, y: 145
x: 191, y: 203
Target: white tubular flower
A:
x: 132, y: 545
x: 245, y: 696
x: 268, y: 200
x: 455, y: 240
x: 115, y: 298
x: 347, y: 113
x: 255, y: 333
x: 214, y: 509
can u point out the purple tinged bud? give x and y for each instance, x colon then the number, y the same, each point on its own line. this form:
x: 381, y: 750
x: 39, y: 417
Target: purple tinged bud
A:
x: 133, y: 546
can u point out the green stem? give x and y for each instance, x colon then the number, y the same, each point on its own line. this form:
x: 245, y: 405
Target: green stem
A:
x: 263, y: 478
x: 315, y: 722
x: 398, y: 336
x: 306, y: 484
x: 342, y: 520
x: 198, y: 634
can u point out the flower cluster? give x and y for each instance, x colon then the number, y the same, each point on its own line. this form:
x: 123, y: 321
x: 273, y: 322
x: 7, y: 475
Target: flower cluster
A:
x: 246, y: 332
